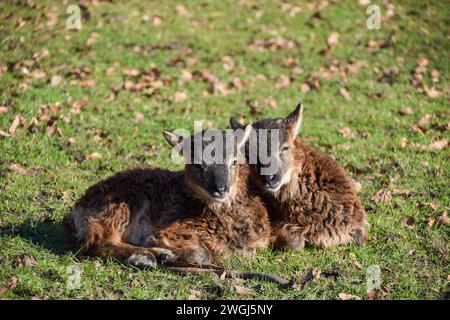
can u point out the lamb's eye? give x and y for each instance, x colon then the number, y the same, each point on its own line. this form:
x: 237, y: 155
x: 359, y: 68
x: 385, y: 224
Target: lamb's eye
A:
x: 233, y: 163
x: 285, y: 149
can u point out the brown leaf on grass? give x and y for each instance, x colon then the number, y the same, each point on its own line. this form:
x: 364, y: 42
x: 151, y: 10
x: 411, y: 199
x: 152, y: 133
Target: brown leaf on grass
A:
x: 273, y: 44
x: 382, y: 195
x: 14, y: 125
x: 92, y: 39
x: 438, y: 144
x: 271, y: 102
x: 11, y: 285
x: 345, y: 93
x: 53, y: 130
x: 333, y: 39
x: 430, y: 221
x: 444, y: 219
x: 4, y: 134
x: 182, y: 10
x: 403, y: 142
x: 131, y: 72
x: 18, y: 169
x: 157, y: 20
x: 346, y: 296
x: 244, y: 292
x: 406, y: 111
x: 194, y: 294
x: 237, y: 83
x: 88, y: 83
x: 432, y: 92
x: 3, y: 109
x: 408, y: 221
x: 312, y: 274
x: 228, y: 62
x: 93, y: 155
x: 79, y: 105
x: 304, y: 87
x: 283, y: 81
x: 139, y: 116
x: 24, y: 259
x: 179, y: 96
x: 55, y: 80
x: 186, y: 75
x: 290, y: 63
x: 345, y: 132
x: 377, y: 293
x: 223, y: 276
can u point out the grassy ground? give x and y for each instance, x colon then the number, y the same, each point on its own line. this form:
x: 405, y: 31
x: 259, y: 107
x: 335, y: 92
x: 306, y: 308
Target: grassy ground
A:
x: 378, y: 101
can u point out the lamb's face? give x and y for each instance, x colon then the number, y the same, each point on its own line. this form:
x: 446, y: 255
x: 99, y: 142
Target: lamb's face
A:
x: 274, y: 144
x: 211, y: 158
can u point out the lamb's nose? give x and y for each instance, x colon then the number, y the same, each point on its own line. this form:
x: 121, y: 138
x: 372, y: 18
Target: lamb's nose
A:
x: 219, y: 192
x: 272, y: 181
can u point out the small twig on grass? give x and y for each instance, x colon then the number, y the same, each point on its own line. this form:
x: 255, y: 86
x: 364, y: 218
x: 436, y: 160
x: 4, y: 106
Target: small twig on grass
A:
x: 187, y: 269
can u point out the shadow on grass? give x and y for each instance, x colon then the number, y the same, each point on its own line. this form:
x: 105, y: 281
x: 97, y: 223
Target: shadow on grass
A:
x: 46, y: 234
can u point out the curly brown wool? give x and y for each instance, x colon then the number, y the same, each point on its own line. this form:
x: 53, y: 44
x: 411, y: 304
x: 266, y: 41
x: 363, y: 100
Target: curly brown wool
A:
x: 318, y: 206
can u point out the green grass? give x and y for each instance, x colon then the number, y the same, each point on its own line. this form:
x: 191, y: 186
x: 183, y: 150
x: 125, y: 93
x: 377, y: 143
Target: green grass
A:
x: 414, y: 261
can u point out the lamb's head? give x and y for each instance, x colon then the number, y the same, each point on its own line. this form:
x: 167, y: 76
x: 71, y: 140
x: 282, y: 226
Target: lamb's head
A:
x: 211, y: 161
x: 269, y: 150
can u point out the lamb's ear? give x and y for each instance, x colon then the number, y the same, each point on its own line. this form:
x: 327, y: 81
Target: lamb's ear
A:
x: 295, y: 119
x: 172, y: 138
x: 242, y: 138
x: 235, y: 124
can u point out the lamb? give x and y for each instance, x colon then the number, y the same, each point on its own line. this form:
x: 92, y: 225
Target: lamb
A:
x: 147, y: 217
x: 311, y: 199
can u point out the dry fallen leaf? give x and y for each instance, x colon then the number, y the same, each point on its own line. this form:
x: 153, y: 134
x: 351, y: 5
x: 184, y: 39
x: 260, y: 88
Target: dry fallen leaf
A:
x: 18, y: 169
x: 3, y: 109
x: 182, y: 10
x: 406, y: 111
x: 345, y: 132
x: 88, y: 83
x: 14, y: 125
x: 345, y: 93
x: 283, y: 81
x: 425, y: 119
x: 4, y: 134
x: 377, y: 293
x: 11, y: 285
x: 55, y: 80
x: 156, y: 20
x: 194, y: 294
x: 26, y: 260
x: 444, y: 219
x: 179, y: 96
x: 333, y: 39
x: 409, y: 222
x: 79, y: 105
x: 382, y: 195
x: 139, y: 116
x: 93, y: 155
x: 244, y: 292
x: 438, y: 144
x: 345, y: 296
x: 432, y: 92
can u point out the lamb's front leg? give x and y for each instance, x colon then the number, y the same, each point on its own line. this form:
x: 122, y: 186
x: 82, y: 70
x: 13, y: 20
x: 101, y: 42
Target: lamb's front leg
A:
x: 185, y: 241
x: 286, y: 235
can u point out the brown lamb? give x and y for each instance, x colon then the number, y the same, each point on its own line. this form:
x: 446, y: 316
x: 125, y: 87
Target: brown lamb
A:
x: 196, y: 216
x: 311, y: 199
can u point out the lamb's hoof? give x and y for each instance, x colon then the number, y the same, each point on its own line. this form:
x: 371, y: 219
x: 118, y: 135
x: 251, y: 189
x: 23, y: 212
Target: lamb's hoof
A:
x: 200, y: 256
x: 296, y: 242
x: 165, y: 256
x: 359, y: 236
x: 147, y: 260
